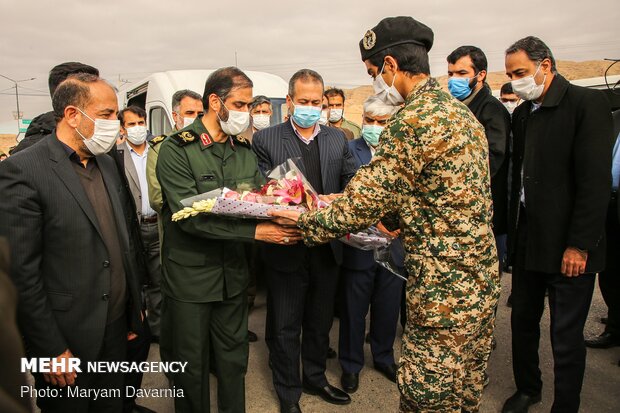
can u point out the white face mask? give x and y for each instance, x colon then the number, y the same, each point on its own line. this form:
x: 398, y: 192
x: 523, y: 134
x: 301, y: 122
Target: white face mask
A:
x: 237, y: 121
x: 136, y: 134
x: 323, y: 119
x: 188, y: 121
x: 335, y: 115
x: 510, y: 106
x: 261, y: 121
x: 104, y: 136
x: 388, y: 94
x: 526, y: 87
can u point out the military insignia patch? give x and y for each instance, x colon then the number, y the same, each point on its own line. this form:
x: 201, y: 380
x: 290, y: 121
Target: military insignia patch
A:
x: 183, y: 138
x: 186, y: 136
x: 241, y: 140
x: 369, y: 40
x: 157, y: 140
x: 205, y: 139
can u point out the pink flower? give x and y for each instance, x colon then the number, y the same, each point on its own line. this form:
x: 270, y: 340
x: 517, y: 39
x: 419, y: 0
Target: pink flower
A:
x: 292, y: 191
x: 231, y: 195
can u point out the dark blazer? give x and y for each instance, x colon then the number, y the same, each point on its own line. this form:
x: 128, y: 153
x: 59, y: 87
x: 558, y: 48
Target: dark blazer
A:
x: 274, y: 145
x: 565, y: 150
x: 59, y: 260
x: 496, y: 121
x: 354, y: 258
x: 11, y: 347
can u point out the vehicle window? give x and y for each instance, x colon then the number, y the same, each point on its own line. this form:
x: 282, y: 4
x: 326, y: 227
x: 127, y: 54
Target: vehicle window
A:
x: 159, y: 123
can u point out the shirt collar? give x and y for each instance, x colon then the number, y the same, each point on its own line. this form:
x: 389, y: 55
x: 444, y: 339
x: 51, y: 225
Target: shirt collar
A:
x: 317, y: 129
x: 132, y: 150
x: 72, y: 154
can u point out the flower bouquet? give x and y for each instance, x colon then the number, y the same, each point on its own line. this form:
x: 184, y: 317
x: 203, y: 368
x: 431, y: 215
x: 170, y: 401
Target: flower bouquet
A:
x: 287, y: 189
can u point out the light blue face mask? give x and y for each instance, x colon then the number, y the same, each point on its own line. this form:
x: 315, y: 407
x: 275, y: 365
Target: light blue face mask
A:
x: 306, y: 116
x: 371, y: 134
x: 459, y: 87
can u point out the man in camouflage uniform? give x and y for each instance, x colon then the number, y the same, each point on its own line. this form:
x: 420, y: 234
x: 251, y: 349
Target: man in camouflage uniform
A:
x: 432, y: 170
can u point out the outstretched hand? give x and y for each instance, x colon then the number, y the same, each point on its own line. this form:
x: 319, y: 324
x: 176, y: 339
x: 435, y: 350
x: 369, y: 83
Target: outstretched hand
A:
x: 277, y: 234
x: 285, y: 218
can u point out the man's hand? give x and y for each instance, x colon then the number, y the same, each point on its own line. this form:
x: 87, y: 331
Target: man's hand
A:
x: 383, y: 229
x: 574, y: 262
x: 58, y: 378
x: 277, y: 234
x: 285, y: 218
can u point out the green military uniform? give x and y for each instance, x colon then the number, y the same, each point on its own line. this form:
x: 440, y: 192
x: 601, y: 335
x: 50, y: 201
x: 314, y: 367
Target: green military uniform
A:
x: 355, y: 129
x: 204, y: 268
x: 432, y: 169
x: 151, y: 180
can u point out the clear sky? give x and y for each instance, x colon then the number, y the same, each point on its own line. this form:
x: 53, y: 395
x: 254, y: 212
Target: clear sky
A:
x: 129, y: 39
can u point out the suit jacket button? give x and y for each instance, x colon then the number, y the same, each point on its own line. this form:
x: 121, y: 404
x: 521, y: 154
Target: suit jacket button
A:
x: 106, y: 264
x: 105, y: 297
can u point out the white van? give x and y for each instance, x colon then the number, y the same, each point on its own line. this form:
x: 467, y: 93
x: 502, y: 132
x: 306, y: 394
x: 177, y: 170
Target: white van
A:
x: 154, y: 94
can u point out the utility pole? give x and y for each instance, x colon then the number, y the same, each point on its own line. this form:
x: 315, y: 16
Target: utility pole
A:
x: 15, y: 82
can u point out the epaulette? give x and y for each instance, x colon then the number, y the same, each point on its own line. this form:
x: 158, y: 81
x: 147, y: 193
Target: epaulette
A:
x: 242, y: 141
x: 157, y: 140
x: 184, y: 137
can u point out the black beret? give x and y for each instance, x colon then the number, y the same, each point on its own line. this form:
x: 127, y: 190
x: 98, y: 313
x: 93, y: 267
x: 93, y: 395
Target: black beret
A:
x: 393, y: 31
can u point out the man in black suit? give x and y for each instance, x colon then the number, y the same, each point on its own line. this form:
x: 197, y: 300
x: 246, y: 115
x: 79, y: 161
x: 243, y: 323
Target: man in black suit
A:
x: 560, y: 193
x: 609, y: 280
x: 302, y: 281
x: 467, y: 74
x: 64, y: 207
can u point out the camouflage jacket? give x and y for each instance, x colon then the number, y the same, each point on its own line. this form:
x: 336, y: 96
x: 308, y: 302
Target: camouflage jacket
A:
x: 432, y: 170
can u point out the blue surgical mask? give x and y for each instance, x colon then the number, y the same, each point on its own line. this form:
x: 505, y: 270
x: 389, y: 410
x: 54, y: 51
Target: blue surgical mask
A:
x: 306, y: 116
x: 371, y: 134
x: 460, y: 87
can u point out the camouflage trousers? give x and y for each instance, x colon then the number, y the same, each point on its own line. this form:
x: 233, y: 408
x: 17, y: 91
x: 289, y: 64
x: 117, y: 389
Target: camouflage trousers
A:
x: 442, y: 369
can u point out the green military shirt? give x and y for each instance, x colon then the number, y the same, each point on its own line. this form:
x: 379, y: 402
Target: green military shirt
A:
x: 151, y: 178
x: 353, y: 127
x: 432, y: 170
x: 203, y: 258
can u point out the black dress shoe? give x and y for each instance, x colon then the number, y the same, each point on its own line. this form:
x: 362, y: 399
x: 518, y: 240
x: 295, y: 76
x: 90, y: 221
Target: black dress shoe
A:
x: 605, y: 340
x: 289, y: 407
x: 252, y: 337
x: 520, y: 403
x: 328, y: 393
x: 331, y: 353
x: 350, y: 382
x: 388, y: 370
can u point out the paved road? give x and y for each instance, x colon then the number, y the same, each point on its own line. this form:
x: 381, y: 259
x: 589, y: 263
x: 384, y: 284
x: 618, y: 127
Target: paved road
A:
x: 601, y: 392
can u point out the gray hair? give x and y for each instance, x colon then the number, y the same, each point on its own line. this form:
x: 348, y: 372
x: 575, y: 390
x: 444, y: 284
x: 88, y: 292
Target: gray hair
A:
x: 179, y: 95
x: 535, y: 49
x: 376, y: 107
x: 304, y: 75
x: 259, y: 100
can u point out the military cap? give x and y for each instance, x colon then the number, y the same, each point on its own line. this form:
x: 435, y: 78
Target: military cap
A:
x: 393, y: 31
